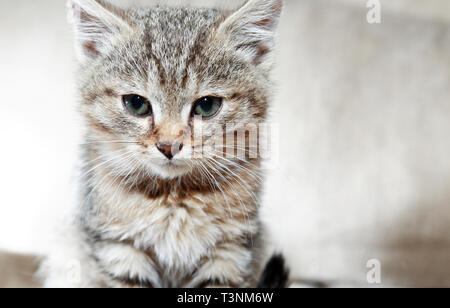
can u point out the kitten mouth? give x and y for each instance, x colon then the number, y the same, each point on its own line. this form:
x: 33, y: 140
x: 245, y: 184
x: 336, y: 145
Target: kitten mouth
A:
x: 170, y: 169
x: 171, y: 163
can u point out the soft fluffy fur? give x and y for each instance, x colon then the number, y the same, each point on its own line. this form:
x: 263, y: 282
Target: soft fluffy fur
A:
x: 141, y: 221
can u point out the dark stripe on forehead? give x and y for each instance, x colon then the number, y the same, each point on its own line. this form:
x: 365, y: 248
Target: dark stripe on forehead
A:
x: 153, y: 59
x: 194, y: 53
x: 162, y: 74
x: 203, y: 39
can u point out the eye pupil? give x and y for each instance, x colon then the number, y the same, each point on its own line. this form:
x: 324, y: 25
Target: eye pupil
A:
x: 137, y: 102
x: 137, y: 105
x: 208, y: 107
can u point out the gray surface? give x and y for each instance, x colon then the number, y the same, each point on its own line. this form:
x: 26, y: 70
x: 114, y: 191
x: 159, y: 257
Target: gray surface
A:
x: 17, y: 271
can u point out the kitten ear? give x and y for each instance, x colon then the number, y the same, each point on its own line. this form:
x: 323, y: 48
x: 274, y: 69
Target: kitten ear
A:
x: 97, y: 24
x: 253, y: 27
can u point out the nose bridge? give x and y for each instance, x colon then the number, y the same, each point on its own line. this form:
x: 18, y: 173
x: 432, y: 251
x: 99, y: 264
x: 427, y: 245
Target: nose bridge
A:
x: 170, y: 130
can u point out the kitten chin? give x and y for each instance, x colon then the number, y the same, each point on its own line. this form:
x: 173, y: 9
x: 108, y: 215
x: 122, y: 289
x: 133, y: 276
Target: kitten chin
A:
x: 168, y: 170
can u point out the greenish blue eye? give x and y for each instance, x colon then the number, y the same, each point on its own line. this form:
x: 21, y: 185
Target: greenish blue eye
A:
x: 207, y: 107
x: 137, y: 105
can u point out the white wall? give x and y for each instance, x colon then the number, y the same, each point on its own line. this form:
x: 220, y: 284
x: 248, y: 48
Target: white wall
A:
x: 37, y: 125
x: 437, y: 10
x: 364, y: 135
x: 363, y: 111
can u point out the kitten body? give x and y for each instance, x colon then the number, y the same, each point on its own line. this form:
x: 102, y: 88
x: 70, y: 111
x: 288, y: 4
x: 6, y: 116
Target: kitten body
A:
x: 146, y: 219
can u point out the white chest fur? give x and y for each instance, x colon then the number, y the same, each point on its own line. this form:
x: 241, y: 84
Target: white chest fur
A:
x: 179, y: 233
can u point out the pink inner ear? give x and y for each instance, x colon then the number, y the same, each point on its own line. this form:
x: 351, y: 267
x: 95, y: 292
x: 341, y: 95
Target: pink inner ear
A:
x: 253, y: 27
x: 92, y: 31
x: 91, y: 48
x: 262, y: 51
x: 267, y: 23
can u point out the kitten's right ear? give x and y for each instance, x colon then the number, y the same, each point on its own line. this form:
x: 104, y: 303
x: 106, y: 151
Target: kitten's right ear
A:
x: 97, y: 25
x: 252, y: 28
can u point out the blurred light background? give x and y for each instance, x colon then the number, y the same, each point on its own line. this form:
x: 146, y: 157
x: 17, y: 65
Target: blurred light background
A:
x: 364, y: 116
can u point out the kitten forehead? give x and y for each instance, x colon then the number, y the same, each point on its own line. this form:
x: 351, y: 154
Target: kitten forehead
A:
x: 173, y: 35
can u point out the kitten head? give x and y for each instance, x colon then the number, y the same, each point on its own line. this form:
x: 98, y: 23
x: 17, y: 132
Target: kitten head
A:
x: 157, y: 84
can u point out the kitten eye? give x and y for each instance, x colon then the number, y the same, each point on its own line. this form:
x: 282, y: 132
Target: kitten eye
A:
x: 137, y: 105
x: 207, y: 107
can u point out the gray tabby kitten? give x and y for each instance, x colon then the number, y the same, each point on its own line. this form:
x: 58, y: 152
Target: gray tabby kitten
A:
x: 156, y: 212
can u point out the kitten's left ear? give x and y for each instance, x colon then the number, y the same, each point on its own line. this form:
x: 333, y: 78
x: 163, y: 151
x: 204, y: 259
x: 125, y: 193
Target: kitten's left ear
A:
x: 97, y: 25
x: 252, y: 29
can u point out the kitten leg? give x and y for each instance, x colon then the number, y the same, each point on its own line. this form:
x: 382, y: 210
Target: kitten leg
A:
x: 124, y: 266
x: 231, y: 266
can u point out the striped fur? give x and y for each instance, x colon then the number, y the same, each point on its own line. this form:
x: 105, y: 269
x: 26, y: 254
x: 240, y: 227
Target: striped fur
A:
x: 141, y: 221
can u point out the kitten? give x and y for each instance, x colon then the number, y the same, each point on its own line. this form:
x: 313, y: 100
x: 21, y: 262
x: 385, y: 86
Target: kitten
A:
x: 156, y: 211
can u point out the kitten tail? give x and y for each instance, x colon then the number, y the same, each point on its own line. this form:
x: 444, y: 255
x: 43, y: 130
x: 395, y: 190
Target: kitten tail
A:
x: 275, y: 275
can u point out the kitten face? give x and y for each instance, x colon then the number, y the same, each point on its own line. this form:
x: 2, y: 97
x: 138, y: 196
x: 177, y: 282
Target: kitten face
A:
x: 159, y: 85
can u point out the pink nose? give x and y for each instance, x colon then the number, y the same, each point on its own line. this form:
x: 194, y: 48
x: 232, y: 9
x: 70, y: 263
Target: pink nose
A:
x: 169, y: 149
